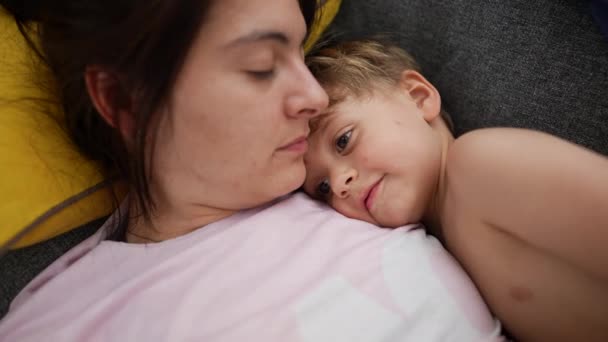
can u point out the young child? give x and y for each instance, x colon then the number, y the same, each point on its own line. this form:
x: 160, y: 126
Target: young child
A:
x: 525, y: 213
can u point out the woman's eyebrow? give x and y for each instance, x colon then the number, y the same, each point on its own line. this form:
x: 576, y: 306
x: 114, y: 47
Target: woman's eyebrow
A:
x: 258, y: 36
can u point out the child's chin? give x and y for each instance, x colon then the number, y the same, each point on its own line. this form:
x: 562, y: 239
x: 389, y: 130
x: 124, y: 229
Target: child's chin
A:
x: 391, y: 222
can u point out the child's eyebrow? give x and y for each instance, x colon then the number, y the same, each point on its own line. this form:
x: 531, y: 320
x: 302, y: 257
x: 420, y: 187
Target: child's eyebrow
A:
x: 323, y: 124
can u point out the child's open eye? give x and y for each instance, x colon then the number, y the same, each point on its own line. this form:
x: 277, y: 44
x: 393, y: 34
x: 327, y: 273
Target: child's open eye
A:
x: 342, y: 141
x: 323, y: 189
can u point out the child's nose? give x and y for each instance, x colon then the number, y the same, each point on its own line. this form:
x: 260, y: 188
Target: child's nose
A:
x: 343, y: 183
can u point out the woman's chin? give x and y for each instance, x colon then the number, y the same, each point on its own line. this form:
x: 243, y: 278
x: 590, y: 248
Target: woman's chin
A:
x: 291, y: 180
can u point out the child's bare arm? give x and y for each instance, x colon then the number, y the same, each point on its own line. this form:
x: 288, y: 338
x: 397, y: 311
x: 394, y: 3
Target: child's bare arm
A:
x: 527, y: 217
x: 541, y: 189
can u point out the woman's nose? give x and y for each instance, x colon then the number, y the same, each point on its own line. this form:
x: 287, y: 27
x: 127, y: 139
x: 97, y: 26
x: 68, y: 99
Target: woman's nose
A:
x: 308, y: 99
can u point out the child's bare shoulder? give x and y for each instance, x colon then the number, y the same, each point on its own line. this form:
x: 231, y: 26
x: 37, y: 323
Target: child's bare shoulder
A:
x: 490, y: 152
x: 491, y: 172
x: 517, y: 155
x: 493, y: 144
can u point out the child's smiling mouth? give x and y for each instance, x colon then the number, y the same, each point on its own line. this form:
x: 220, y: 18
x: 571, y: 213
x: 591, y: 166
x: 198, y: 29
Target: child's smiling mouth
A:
x: 370, y: 195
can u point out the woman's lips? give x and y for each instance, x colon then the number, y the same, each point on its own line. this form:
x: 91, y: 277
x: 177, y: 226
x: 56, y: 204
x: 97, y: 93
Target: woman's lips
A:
x: 299, y: 145
x: 371, y: 194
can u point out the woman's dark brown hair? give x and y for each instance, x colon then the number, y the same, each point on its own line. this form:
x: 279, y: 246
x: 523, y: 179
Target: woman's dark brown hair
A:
x: 143, y: 42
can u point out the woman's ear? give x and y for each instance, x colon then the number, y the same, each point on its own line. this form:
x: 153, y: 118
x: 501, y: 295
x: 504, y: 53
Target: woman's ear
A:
x: 111, y: 100
x: 422, y: 92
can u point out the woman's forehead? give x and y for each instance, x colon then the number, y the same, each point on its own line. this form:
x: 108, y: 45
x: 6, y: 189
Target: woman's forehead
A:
x: 238, y: 20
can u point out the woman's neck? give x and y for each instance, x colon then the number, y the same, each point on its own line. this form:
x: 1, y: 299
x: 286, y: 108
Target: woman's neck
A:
x: 170, y: 221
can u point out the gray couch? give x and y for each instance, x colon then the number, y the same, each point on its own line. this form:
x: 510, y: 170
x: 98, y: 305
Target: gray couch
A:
x: 536, y: 64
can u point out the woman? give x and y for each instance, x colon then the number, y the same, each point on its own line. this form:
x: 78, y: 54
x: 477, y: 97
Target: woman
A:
x: 202, y: 107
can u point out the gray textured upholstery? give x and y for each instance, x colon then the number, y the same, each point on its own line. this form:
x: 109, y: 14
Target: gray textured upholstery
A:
x: 536, y: 64
x: 20, y: 266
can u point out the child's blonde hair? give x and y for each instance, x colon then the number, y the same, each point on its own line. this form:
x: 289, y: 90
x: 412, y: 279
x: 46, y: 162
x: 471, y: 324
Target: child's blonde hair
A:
x: 358, y: 68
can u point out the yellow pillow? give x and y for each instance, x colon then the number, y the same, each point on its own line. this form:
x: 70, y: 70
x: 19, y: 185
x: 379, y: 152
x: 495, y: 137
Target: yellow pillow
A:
x: 40, y: 170
x: 46, y: 186
x: 324, y: 18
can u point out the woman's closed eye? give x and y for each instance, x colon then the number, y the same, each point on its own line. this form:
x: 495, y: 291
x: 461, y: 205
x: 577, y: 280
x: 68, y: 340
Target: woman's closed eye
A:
x: 261, y: 74
x: 343, y: 140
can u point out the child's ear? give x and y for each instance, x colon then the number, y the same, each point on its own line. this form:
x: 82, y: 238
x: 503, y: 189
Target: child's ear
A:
x: 422, y: 92
x: 111, y: 100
